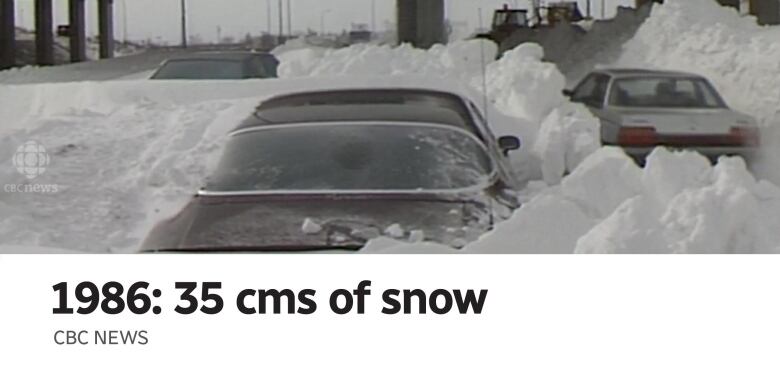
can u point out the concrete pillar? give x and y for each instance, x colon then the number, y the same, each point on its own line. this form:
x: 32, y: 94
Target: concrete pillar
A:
x: 106, y: 28
x: 78, y: 31
x: 421, y: 22
x: 44, y: 32
x: 7, y: 34
x: 407, y: 21
x: 430, y: 23
x: 767, y: 11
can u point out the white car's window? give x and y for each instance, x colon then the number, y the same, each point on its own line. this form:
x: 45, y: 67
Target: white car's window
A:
x: 669, y: 92
x: 592, y: 90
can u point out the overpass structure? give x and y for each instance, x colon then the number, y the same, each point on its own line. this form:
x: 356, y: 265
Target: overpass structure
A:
x: 44, y: 31
x: 420, y: 22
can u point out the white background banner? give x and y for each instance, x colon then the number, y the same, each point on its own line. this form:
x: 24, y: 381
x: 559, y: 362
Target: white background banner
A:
x: 547, y: 323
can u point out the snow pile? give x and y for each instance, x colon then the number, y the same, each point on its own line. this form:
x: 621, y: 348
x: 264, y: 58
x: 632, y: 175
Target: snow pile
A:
x: 123, y: 156
x: 460, y: 59
x: 678, y: 204
x: 523, y: 91
x: 741, y: 58
x: 687, y: 206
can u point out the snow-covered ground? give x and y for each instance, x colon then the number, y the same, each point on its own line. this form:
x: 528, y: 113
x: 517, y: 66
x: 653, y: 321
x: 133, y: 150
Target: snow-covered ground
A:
x: 125, y: 154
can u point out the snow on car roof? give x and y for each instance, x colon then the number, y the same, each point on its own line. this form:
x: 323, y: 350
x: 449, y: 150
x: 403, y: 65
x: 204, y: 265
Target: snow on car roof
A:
x: 644, y: 72
x: 355, y: 113
x: 219, y: 55
x: 405, y: 105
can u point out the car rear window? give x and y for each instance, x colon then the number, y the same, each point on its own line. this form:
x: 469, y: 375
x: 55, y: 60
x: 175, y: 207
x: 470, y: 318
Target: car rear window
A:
x: 352, y: 157
x: 202, y: 70
x: 666, y: 92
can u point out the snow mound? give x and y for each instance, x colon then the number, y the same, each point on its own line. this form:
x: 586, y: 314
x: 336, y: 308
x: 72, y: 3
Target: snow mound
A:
x: 678, y: 203
x: 463, y: 58
x: 740, y: 57
x: 720, y: 209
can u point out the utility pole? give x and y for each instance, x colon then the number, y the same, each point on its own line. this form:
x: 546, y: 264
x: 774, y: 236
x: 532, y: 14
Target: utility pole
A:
x: 281, y: 19
x: 268, y: 15
x: 603, y: 9
x: 289, y: 18
x: 322, y: 21
x: 373, y: 16
x: 124, y: 20
x: 184, y: 24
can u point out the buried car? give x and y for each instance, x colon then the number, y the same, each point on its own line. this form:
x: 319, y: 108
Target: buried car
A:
x: 218, y: 66
x: 642, y: 109
x: 332, y: 170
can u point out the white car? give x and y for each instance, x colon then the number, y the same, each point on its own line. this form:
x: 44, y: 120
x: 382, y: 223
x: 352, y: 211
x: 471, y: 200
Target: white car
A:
x: 641, y: 109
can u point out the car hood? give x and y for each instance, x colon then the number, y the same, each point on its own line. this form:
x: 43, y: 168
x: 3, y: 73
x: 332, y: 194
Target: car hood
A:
x: 284, y: 223
x: 684, y: 121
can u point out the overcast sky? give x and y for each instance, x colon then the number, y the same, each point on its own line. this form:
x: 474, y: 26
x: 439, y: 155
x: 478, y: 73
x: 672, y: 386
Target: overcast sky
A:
x: 159, y: 19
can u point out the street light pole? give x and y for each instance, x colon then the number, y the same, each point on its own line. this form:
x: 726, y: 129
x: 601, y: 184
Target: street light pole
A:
x: 289, y: 18
x: 603, y: 9
x: 184, y: 23
x: 124, y: 20
x: 322, y: 21
x: 281, y: 19
x: 373, y: 16
x: 268, y: 16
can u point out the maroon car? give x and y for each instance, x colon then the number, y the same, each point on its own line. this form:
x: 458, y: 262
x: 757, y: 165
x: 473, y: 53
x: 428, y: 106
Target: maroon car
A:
x: 332, y: 170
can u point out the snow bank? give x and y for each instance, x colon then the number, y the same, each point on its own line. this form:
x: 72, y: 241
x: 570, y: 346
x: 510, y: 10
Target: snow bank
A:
x: 689, y: 207
x: 678, y: 204
x: 741, y: 58
x: 461, y: 59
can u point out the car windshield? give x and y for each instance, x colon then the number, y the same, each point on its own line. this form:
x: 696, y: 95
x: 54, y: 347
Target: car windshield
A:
x: 352, y: 157
x: 203, y: 69
x: 666, y: 92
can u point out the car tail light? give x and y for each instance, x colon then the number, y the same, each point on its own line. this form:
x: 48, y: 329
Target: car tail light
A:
x: 747, y: 136
x: 637, y: 136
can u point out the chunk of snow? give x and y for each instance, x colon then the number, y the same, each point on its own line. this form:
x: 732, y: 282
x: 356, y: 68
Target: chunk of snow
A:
x: 605, y: 179
x: 548, y: 224
x: 395, y: 231
x: 311, y: 227
x: 416, y: 236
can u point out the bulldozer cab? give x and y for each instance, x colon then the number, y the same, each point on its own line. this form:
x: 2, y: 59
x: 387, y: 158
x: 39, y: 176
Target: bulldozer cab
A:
x: 563, y: 12
x: 507, y: 19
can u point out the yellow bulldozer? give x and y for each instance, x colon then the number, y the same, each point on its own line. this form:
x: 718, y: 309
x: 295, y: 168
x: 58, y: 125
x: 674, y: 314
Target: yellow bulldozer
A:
x: 508, y: 20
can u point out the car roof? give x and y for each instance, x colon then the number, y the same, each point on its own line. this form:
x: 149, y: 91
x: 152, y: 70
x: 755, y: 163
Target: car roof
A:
x: 220, y: 55
x: 383, y: 105
x: 634, y: 72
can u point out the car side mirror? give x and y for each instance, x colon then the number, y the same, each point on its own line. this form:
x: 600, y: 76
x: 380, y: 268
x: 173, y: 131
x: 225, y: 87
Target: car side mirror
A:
x: 508, y: 143
x: 568, y: 92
